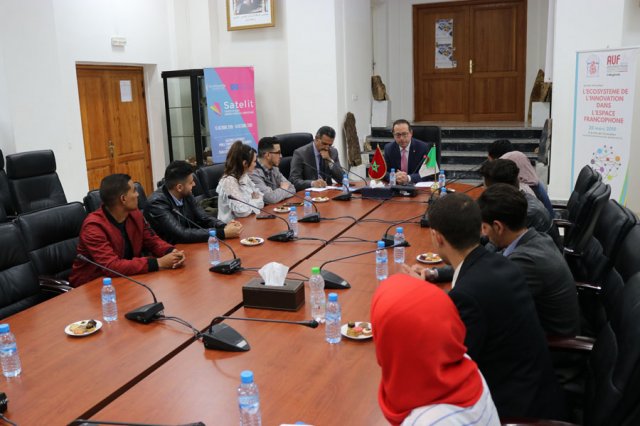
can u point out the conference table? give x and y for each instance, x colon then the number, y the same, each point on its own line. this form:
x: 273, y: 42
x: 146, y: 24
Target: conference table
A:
x: 159, y: 373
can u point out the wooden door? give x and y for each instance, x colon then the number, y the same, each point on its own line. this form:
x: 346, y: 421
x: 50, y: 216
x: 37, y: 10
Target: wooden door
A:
x: 484, y: 81
x: 114, y: 123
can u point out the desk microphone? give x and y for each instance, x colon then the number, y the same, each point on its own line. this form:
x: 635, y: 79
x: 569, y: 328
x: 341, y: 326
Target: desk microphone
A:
x: 144, y: 314
x: 227, y: 267
x: 347, y: 196
x: 334, y: 281
x: 341, y: 197
x: 388, y: 239
x: 224, y: 338
x: 284, y: 236
x: 83, y: 422
x: 311, y: 217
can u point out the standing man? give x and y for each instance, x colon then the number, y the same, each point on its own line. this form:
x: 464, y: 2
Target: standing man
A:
x: 316, y: 164
x: 116, y: 234
x: 175, y: 215
x: 504, y: 336
x: 267, y: 176
x: 406, y: 154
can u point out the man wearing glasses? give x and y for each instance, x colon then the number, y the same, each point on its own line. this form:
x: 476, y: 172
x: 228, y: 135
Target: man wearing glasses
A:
x: 266, y: 176
x: 316, y: 164
x: 406, y: 154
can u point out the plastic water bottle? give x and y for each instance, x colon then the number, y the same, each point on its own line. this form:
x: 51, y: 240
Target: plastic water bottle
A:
x: 316, y: 283
x: 441, y: 179
x: 109, y: 304
x: 308, y: 207
x: 214, y: 248
x: 382, y: 268
x: 11, y: 366
x: 345, y: 183
x: 392, y: 177
x: 443, y: 191
x: 333, y: 318
x: 249, y: 400
x: 398, y: 252
x: 293, y: 220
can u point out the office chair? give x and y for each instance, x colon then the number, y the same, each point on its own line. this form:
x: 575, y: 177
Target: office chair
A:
x: 5, y: 194
x: 289, y: 142
x: 209, y: 176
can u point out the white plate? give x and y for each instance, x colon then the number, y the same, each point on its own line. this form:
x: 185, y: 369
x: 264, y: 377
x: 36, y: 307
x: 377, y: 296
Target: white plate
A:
x: 428, y: 262
x: 281, y: 209
x: 320, y: 199
x: 343, y: 331
x: 246, y: 242
x: 67, y: 329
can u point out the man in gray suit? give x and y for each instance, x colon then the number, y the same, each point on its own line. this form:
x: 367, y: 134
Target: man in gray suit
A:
x: 316, y: 164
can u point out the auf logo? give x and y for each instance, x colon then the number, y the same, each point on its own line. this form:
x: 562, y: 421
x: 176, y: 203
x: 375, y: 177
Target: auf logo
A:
x: 216, y: 108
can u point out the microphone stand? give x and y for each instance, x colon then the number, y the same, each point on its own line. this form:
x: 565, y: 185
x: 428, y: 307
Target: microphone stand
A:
x: 389, y: 241
x: 222, y: 337
x: 311, y: 217
x: 226, y: 267
x: 284, y: 236
x: 144, y: 314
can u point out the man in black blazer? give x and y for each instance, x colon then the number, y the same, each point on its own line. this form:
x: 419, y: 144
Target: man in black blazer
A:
x: 316, y: 164
x: 504, y: 336
x: 416, y: 152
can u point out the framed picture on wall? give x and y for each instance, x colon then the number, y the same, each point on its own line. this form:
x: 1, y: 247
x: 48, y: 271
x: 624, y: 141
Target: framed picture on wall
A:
x: 246, y: 14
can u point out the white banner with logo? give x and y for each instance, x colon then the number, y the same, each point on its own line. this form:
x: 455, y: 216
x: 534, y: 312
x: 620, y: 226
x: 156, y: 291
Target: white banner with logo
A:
x: 604, y: 115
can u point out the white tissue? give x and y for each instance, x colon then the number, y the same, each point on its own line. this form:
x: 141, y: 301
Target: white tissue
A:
x: 274, y: 274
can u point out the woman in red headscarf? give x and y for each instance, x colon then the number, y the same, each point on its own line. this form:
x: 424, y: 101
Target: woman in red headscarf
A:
x: 427, y: 378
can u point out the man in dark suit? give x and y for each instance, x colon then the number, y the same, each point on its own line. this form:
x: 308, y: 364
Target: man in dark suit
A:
x: 406, y: 154
x: 504, y: 336
x: 316, y: 164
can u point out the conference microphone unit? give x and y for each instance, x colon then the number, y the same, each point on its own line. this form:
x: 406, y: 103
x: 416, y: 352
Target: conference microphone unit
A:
x: 347, y: 196
x: 335, y: 281
x: 144, y: 314
x: 284, y: 236
x: 308, y: 218
x: 341, y: 197
x: 82, y: 422
x: 224, y: 338
x: 388, y: 239
x: 226, y: 267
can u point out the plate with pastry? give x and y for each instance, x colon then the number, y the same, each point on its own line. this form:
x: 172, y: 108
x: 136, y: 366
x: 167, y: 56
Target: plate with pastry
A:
x: 429, y: 258
x: 357, y: 330
x: 281, y: 209
x: 83, y: 328
x: 252, y: 241
x: 320, y: 199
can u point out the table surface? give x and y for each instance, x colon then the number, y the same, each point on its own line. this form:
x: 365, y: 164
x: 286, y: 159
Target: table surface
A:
x: 159, y: 373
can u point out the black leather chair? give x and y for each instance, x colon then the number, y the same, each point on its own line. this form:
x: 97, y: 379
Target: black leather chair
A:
x: 142, y: 196
x: 19, y: 285
x: 209, y: 176
x: 289, y: 142
x: 51, y: 238
x: 586, y: 179
x: 431, y: 135
x: 628, y: 259
x: 33, y: 181
x: 92, y: 200
x: 5, y: 194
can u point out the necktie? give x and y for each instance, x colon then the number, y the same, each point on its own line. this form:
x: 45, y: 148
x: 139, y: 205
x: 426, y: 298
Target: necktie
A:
x: 404, y: 166
x: 323, y: 169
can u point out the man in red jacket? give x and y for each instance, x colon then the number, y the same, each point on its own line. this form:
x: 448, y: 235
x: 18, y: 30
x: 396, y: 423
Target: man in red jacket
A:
x: 116, y: 234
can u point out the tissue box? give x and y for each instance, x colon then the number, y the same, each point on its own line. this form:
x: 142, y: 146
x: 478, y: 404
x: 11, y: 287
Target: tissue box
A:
x: 289, y: 297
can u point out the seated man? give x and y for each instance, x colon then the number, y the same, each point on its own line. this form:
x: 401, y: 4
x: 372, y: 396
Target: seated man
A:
x: 267, y: 177
x: 316, y: 164
x: 173, y: 212
x: 504, y: 336
x: 406, y: 154
x: 116, y: 234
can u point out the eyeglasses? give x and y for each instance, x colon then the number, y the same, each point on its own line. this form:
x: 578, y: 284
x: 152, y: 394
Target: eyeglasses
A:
x: 276, y: 152
x: 401, y: 135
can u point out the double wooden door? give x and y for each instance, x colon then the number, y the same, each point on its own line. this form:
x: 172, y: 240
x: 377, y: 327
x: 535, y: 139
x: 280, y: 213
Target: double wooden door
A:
x: 469, y: 60
x: 114, y: 123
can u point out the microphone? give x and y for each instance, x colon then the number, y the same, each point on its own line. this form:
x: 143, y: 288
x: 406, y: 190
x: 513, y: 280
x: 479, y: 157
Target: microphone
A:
x: 311, y: 217
x: 83, y: 422
x: 347, y: 196
x: 227, y: 267
x: 144, y: 314
x: 283, y: 236
x: 341, y: 197
x: 224, y: 338
x: 389, y: 241
x: 334, y: 281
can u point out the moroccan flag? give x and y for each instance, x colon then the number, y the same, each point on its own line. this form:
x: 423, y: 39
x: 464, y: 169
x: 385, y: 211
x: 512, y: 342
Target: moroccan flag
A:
x: 430, y: 166
x: 378, y: 167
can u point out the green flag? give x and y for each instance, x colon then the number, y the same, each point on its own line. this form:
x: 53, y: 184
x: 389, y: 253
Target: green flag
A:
x: 430, y: 165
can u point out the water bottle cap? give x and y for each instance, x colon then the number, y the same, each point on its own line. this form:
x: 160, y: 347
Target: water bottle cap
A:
x: 246, y: 376
x: 344, y: 176
x: 212, y: 232
x: 315, y: 270
x: 333, y: 297
x: 307, y: 193
x: 293, y: 209
x: 393, y: 170
x: 106, y: 281
x: 381, y: 244
x: 4, y: 328
x: 443, y: 190
x: 400, y: 229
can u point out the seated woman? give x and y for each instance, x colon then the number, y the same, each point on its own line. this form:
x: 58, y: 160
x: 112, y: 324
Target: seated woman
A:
x: 235, y: 182
x: 528, y: 176
x: 427, y: 378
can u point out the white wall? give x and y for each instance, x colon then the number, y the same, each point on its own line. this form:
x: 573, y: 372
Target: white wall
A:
x: 579, y: 25
x: 393, y: 49
x: 631, y: 23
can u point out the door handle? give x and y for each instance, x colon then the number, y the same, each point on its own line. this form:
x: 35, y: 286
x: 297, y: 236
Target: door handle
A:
x: 111, y: 148
x: 470, y: 66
